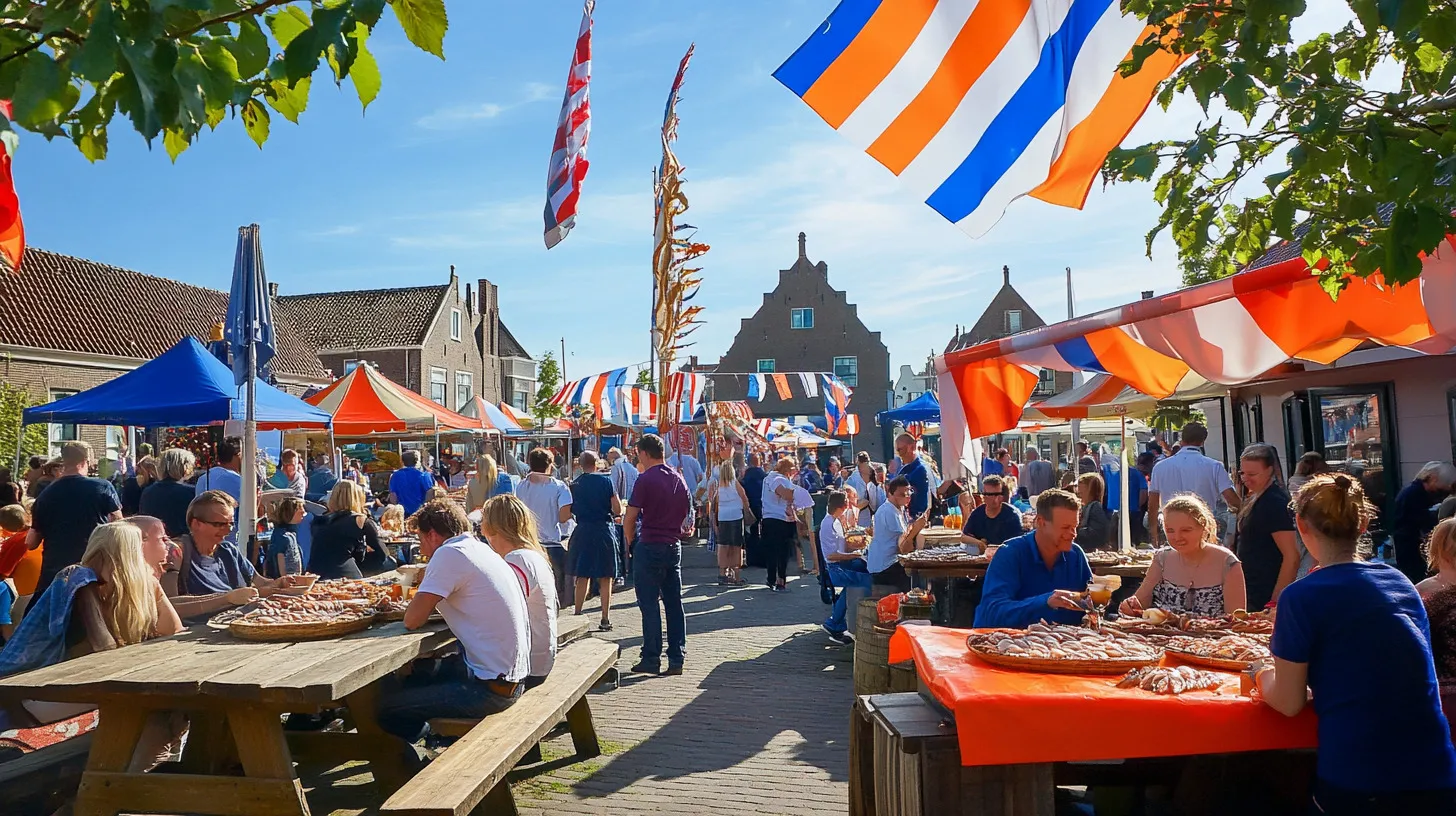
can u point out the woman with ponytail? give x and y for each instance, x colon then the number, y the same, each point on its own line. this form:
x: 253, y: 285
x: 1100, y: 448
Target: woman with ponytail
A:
x: 1355, y: 634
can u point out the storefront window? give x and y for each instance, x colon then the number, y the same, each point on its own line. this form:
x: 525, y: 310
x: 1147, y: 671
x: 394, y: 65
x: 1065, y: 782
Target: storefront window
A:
x: 1356, y: 436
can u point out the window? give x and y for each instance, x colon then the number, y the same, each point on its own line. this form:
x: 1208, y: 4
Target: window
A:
x: 62, y: 432
x: 350, y: 365
x: 1046, y: 382
x: 913, y: 395
x: 801, y: 318
x: 1013, y: 321
x: 847, y: 370
x: 519, y: 401
x: 765, y: 366
x: 437, y: 385
x: 464, y: 390
x: 455, y: 324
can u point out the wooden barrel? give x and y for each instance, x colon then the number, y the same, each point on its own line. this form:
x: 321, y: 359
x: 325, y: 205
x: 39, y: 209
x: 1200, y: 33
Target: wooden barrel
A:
x: 871, y: 651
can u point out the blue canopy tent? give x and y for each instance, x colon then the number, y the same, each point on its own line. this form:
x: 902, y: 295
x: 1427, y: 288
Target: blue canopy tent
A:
x: 924, y: 408
x: 185, y: 386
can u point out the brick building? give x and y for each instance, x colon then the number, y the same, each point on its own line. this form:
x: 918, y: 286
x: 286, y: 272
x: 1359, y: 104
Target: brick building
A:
x: 806, y: 325
x: 68, y: 324
x: 1008, y: 313
x: 429, y: 339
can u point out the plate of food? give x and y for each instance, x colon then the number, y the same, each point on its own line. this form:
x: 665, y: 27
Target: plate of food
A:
x: 301, y: 584
x: 1062, y: 649
x: 1170, y: 680
x: 1231, y: 652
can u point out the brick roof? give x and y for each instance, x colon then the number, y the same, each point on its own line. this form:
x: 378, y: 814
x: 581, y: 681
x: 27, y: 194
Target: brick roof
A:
x: 991, y: 324
x: 64, y: 303
x: 366, y: 318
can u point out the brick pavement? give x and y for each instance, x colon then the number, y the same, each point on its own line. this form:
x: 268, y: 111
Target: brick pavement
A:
x: 756, y: 725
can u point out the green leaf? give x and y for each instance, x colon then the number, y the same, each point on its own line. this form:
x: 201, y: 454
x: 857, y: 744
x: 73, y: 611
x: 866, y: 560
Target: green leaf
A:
x: 96, y: 60
x: 251, y: 48
x: 256, y: 120
x: 1430, y: 59
x: 41, y: 95
x: 287, y: 24
x: 424, y: 23
x: 291, y: 102
x: 1401, y: 16
x: 141, y: 89
x: 368, y: 11
x: 365, y: 71
x: 175, y: 141
x: 92, y: 146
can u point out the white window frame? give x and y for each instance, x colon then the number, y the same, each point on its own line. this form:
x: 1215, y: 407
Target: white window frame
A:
x: 455, y: 324
x: 851, y: 380
x: 349, y: 366
x: 1013, y: 329
x: 772, y: 366
x: 440, y: 377
x: 467, y: 380
x: 797, y: 321
x: 56, y: 431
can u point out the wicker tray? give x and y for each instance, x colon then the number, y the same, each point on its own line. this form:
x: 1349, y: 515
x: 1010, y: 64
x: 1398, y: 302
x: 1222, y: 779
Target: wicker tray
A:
x: 1055, y: 666
x: 244, y: 630
x: 1210, y: 662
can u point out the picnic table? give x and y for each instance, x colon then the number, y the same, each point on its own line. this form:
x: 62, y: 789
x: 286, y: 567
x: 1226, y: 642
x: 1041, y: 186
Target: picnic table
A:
x: 234, y: 693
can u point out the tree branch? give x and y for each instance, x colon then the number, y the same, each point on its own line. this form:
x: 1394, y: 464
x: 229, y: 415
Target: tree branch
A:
x: 247, y: 11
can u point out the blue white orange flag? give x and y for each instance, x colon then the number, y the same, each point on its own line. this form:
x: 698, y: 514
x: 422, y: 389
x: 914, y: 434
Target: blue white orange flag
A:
x: 684, y: 393
x: 568, y: 153
x: 596, y: 390
x: 974, y: 104
x: 836, y: 403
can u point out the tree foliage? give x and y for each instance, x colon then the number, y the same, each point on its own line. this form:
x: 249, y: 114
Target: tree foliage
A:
x: 549, y: 378
x: 644, y: 379
x: 175, y: 67
x: 13, y: 401
x: 1170, y: 417
x: 1330, y: 145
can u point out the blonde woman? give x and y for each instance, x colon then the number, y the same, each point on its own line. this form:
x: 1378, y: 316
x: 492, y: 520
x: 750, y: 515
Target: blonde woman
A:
x: 726, y: 503
x: 1193, y: 574
x: 1094, y: 525
x: 344, y: 537
x: 510, y: 529
x: 1440, y: 559
x: 131, y: 489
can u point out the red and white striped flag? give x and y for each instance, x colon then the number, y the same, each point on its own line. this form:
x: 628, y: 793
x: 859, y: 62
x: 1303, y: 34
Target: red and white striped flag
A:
x: 568, y: 154
x: 12, y: 230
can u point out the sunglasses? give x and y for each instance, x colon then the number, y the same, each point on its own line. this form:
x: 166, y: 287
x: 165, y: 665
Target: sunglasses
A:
x: 994, y: 495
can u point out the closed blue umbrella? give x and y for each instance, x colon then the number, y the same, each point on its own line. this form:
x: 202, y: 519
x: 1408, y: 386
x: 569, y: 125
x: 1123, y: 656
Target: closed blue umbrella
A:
x: 249, y: 333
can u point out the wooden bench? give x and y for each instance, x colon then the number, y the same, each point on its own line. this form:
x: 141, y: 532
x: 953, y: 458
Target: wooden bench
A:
x: 473, y: 771
x: 40, y: 781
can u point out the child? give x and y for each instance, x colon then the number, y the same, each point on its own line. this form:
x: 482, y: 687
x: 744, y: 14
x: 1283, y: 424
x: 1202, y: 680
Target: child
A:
x: 284, y: 557
x: 19, y: 565
x: 510, y: 529
x: 1442, y: 559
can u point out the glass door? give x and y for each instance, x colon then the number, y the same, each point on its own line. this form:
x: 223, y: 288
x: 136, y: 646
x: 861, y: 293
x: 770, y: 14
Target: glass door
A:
x: 1355, y: 429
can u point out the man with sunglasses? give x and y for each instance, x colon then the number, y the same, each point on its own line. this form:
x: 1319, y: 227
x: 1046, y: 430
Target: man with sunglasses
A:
x: 210, y: 562
x: 995, y: 522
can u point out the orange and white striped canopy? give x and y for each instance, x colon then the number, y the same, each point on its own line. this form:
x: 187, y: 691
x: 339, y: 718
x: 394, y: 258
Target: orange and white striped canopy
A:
x: 1230, y: 331
x: 365, y: 402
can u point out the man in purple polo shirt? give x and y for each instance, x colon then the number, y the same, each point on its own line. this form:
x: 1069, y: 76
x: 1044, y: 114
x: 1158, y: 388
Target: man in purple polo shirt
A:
x: 660, y: 503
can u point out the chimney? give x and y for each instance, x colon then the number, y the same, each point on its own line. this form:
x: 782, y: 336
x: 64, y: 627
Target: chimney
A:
x: 487, y: 295
x: 1006, y: 276
x: 469, y: 301
x: 803, y: 247
x: 1147, y: 294
x: 272, y: 289
x: 454, y: 282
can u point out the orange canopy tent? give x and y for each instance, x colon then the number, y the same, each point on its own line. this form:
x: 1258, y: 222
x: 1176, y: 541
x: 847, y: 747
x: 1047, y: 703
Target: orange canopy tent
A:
x: 365, y: 402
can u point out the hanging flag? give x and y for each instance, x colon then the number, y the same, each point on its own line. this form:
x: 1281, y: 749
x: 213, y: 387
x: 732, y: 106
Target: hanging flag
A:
x: 636, y: 406
x: 593, y: 390
x: 781, y: 385
x: 915, y: 428
x: 974, y: 105
x: 811, y: 388
x: 755, y: 387
x: 836, y: 401
x: 568, y: 153
x: 12, y: 229
x: 848, y: 425
x: 684, y: 392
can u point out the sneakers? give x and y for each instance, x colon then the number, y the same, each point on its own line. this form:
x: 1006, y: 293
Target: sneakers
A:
x: 841, y: 638
x: 646, y: 668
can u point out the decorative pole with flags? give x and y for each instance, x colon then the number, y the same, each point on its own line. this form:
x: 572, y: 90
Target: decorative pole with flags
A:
x: 250, y: 334
x: 568, y: 152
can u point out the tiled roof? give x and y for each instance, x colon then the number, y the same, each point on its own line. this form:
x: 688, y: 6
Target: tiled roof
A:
x: 1288, y: 250
x: 510, y: 346
x: 991, y: 323
x: 63, y: 303
x: 366, y: 318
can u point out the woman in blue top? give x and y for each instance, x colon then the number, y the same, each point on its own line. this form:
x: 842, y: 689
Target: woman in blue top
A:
x: 1356, y: 635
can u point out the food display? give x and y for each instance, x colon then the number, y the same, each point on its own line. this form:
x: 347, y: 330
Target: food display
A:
x: 1163, y: 622
x: 1233, y: 652
x: 1110, y: 558
x: 1170, y: 679
x: 946, y: 556
x: 857, y: 537
x: 328, y: 609
x: 1062, y: 649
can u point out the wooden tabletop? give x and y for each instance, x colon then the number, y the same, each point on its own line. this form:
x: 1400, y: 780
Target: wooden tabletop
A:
x: 204, y: 661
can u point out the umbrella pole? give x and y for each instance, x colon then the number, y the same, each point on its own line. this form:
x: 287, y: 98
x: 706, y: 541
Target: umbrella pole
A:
x: 19, y: 442
x: 248, y: 522
x: 1124, y: 533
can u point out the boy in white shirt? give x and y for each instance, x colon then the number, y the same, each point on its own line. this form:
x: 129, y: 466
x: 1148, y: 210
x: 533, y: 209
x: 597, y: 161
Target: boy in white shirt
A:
x: 480, y: 598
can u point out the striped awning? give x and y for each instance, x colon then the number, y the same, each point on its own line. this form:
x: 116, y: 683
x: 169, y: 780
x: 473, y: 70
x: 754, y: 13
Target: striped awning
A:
x: 365, y: 402
x: 1228, y: 332
x: 1105, y: 396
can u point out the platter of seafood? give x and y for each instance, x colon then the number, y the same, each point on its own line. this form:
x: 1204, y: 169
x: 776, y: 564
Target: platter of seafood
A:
x: 1061, y: 649
x: 1231, y: 652
x: 328, y: 609
x: 1170, y: 679
x: 1163, y: 622
x: 946, y: 556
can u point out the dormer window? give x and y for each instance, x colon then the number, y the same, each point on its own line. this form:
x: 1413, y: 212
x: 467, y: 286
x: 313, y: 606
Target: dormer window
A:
x: 1013, y: 321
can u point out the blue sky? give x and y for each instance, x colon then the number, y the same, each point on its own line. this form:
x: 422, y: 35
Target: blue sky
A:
x: 448, y: 167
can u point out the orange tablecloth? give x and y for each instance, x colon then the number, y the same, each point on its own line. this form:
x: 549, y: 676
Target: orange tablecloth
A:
x: 1006, y: 716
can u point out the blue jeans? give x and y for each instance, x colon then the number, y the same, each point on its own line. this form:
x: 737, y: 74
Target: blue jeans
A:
x: 445, y: 689
x: 842, y: 575
x: 657, y: 571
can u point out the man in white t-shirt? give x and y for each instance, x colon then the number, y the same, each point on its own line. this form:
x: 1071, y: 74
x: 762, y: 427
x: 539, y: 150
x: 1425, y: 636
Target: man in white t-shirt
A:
x: 1188, y: 471
x: 847, y: 570
x: 480, y: 597
x: 550, y: 501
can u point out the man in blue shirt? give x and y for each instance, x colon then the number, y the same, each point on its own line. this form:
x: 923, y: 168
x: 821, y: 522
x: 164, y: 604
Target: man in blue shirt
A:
x: 1038, y: 576
x: 913, y: 471
x: 995, y: 522
x: 409, y: 484
x: 1137, y: 489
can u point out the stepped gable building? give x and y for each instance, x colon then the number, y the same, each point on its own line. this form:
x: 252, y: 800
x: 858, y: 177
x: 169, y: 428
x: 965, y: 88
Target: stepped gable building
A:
x: 806, y: 325
x: 429, y: 339
x: 68, y: 324
x: 1008, y: 313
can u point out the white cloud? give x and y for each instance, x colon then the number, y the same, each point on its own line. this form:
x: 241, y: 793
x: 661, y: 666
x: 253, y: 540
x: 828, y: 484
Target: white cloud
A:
x: 455, y: 117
